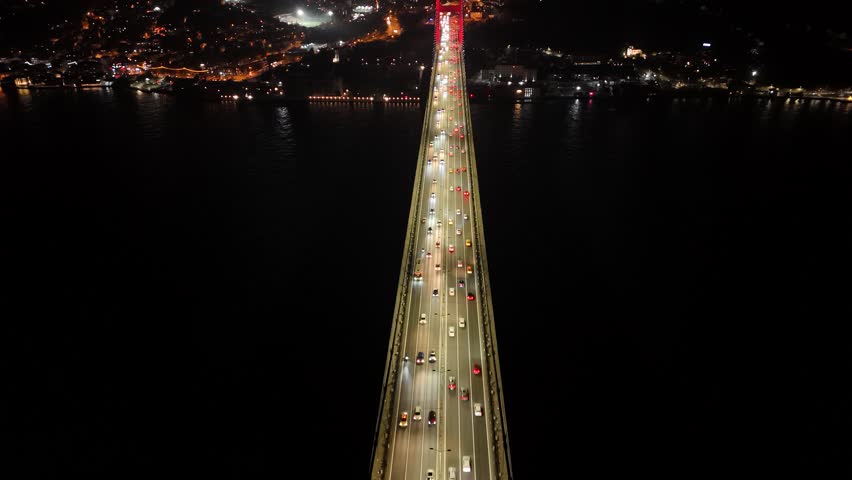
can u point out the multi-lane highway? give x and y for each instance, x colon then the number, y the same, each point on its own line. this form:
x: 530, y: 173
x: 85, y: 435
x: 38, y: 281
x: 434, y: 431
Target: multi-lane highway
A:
x: 440, y: 402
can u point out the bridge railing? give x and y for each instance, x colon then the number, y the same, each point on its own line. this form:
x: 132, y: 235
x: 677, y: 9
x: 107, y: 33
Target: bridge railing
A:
x: 385, y: 421
x: 500, y: 429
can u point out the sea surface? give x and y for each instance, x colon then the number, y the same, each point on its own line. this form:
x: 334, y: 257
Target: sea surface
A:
x: 206, y: 290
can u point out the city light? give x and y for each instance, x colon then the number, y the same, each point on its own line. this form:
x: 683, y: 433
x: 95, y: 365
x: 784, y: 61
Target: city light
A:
x: 330, y: 13
x: 754, y: 73
x: 300, y: 12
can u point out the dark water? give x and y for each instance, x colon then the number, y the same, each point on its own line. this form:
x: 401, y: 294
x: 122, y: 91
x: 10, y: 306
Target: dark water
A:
x: 206, y: 289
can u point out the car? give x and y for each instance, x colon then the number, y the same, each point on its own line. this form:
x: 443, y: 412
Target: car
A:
x: 438, y: 243
x: 458, y: 211
x: 452, y: 331
x: 458, y: 188
x: 450, y: 221
x: 434, y: 180
x: 464, y: 169
x: 432, y: 195
x: 471, y: 296
x: 422, y: 318
x: 431, y: 211
x: 466, y: 193
x: 435, y: 292
x: 431, y: 144
x: 439, y: 224
x: 418, y: 275
x: 428, y: 254
x: 477, y: 409
x: 419, y: 359
x: 433, y: 419
x: 452, y: 383
x: 430, y: 474
x: 470, y: 269
x: 451, y: 188
x: 458, y: 231
x: 452, y: 292
x: 465, y: 216
x: 461, y: 283
x: 468, y: 243
x: 460, y: 264
x: 464, y: 395
x: 417, y: 416
x: 476, y: 369
x: 403, y: 419
x: 432, y: 357
x: 428, y: 161
x: 452, y: 475
x: 429, y: 231
x: 451, y: 248
x: 437, y: 266
x: 466, y: 463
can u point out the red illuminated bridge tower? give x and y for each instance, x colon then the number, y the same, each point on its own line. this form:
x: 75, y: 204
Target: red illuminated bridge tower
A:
x: 441, y: 412
x: 451, y: 7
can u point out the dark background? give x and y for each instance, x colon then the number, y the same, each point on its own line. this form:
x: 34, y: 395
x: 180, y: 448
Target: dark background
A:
x: 206, y: 290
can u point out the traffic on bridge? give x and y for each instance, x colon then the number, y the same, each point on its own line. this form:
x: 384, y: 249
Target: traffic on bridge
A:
x: 439, y: 393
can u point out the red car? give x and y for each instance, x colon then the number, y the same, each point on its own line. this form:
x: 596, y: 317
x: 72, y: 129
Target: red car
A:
x: 464, y: 169
x: 458, y: 189
x: 471, y: 297
x: 452, y: 249
x: 476, y: 369
x: 466, y: 193
x: 452, y: 384
x: 464, y: 394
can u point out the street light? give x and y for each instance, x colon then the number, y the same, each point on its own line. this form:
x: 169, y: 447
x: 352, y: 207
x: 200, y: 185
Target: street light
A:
x: 754, y: 73
x: 300, y: 12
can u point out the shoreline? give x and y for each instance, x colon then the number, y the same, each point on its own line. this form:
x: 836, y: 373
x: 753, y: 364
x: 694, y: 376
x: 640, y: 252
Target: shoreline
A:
x: 475, y: 101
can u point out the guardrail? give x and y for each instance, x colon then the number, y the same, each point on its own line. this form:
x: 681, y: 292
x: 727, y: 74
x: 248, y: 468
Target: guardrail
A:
x: 500, y: 430
x: 384, y: 422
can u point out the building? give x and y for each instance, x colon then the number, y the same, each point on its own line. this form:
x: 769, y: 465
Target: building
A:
x: 508, y: 73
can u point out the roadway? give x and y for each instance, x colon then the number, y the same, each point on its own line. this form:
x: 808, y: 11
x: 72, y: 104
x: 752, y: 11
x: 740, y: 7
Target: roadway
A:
x: 444, y: 256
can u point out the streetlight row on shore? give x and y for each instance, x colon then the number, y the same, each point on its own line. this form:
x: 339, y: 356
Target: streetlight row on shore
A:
x: 364, y: 99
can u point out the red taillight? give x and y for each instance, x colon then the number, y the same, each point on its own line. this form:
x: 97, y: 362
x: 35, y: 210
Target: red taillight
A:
x: 458, y: 189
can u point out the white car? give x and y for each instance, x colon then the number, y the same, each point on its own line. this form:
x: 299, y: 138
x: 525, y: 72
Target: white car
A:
x: 452, y: 473
x: 461, y: 322
x: 466, y: 463
x: 477, y: 409
x: 434, y: 180
x: 458, y: 231
x: 432, y: 195
x: 465, y: 216
x: 458, y: 211
x: 452, y: 331
x: 452, y: 292
x: 422, y: 318
x: 417, y: 414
